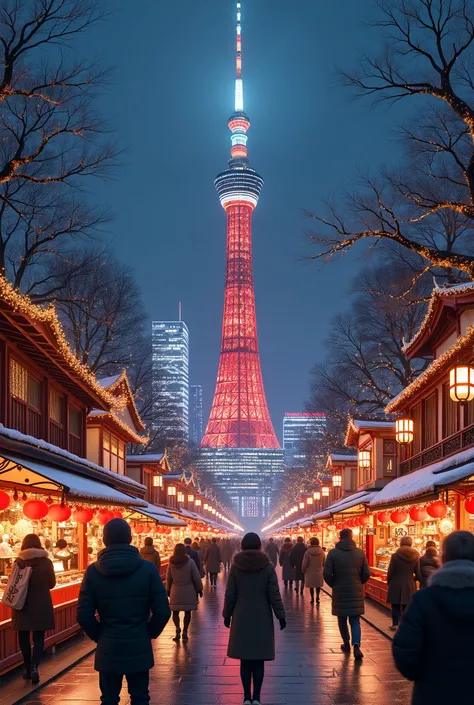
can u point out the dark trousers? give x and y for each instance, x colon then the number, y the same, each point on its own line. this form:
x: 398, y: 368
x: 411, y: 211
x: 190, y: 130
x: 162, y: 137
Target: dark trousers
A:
x: 25, y: 646
x: 252, y: 670
x: 213, y: 578
x: 111, y: 685
x: 355, y: 630
x: 396, y: 614
x: 288, y: 581
x: 299, y: 585
x: 311, y: 592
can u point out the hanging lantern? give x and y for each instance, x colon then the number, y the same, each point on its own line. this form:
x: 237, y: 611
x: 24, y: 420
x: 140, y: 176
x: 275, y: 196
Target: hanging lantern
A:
x: 139, y: 529
x: 4, y: 500
x: 309, y: 500
x: 418, y: 514
x: 301, y: 505
x: 104, y: 515
x: 383, y: 517
x: 437, y: 510
x: 59, y: 512
x: 35, y: 509
x: 198, y: 503
x: 364, y: 458
x: 469, y: 505
x: 404, y: 430
x: 171, y: 491
x: 317, y: 495
x: 190, y: 498
x: 337, y: 480
x: 365, y: 520
x: 461, y: 383
x: 325, y: 491
x: 180, y: 497
x: 83, y: 515
x: 117, y: 514
x: 398, y: 517
x: 157, y: 480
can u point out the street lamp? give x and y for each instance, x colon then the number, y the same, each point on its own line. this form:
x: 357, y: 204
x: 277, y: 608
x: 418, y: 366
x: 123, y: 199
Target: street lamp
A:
x: 364, y: 459
x: 404, y: 430
x: 461, y: 383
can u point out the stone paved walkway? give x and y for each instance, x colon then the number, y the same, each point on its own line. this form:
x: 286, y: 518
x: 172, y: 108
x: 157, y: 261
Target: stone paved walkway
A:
x: 309, y: 669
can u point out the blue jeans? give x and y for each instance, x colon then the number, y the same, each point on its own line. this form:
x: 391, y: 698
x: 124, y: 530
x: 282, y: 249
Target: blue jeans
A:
x: 355, y: 629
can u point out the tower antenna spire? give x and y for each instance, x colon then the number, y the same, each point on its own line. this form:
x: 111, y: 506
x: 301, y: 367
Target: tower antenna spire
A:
x: 239, y: 88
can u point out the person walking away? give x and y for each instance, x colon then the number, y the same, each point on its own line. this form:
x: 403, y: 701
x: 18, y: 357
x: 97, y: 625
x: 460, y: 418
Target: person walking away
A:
x: 288, y: 573
x: 272, y: 551
x: 429, y: 563
x: 346, y: 571
x: 403, y: 571
x: 227, y: 554
x: 37, y: 614
x: 296, y: 560
x: 313, y: 564
x: 213, y: 561
x: 252, y: 597
x: 183, y: 584
x: 128, y: 597
x: 194, y: 555
x: 433, y: 646
x: 149, y: 553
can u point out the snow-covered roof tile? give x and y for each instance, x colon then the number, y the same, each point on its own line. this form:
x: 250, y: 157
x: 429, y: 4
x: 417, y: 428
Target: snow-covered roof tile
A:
x: 340, y: 458
x: 146, y: 457
x: 427, y: 480
x: 362, y: 497
x: 107, y: 382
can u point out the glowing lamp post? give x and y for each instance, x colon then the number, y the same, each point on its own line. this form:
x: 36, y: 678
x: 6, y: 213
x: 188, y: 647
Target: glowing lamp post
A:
x: 461, y: 383
x: 404, y: 430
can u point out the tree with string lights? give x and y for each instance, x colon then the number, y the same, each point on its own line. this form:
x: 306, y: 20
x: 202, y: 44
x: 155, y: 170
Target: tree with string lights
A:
x: 426, y: 205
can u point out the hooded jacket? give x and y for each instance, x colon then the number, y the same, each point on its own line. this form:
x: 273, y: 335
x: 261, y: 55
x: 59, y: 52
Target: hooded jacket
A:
x: 123, y: 589
x: 403, y: 570
x: 346, y: 570
x: 37, y: 614
x: 288, y: 572
x: 433, y: 645
x: 313, y: 564
x: 183, y: 583
x: 252, y: 597
x: 149, y: 553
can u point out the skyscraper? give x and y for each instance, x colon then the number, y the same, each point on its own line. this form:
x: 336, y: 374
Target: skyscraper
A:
x: 300, y: 433
x: 170, y: 356
x: 195, y: 414
x: 239, y: 424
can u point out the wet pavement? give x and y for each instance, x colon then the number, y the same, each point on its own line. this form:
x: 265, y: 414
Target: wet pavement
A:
x: 309, y: 666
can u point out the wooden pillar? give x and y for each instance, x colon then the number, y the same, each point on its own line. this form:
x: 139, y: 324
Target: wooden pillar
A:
x: 83, y: 556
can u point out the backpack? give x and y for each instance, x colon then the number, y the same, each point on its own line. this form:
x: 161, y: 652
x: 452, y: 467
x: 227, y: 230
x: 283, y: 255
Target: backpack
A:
x: 17, y: 586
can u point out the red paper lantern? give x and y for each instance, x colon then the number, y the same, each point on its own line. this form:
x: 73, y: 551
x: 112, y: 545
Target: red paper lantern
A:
x: 139, y: 529
x: 35, y: 509
x: 83, y: 515
x: 418, y: 514
x: 398, y: 517
x: 469, y: 505
x: 59, y: 512
x: 117, y: 514
x: 4, y: 500
x: 383, y: 517
x: 104, y: 515
x: 437, y: 510
x: 364, y: 520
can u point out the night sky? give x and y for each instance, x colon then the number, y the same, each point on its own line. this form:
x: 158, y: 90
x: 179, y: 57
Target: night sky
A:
x: 171, y: 97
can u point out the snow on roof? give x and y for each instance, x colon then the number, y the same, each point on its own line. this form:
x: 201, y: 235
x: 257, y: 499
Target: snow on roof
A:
x: 427, y: 480
x: 107, y: 382
x: 360, y: 423
x: 146, y: 457
x: 363, y: 497
x: 160, y: 515
x: 338, y: 457
x: 39, y: 443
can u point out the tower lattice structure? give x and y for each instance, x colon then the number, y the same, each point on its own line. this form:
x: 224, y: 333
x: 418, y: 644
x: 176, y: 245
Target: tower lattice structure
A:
x: 239, y: 415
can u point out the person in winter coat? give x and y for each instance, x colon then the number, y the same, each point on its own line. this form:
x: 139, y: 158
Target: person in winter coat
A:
x: 128, y: 597
x: 313, y: 564
x: 403, y: 571
x: 288, y: 573
x: 149, y: 553
x: 429, y: 563
x: 213, y: 561
x: 227, y: 553
x: 296, y: 560
x: 37, y: 614
x: 251, y: 598
x: 346, y: 571
x: 194, y: 555
x: 183, y: 584
x: 272, y: 551
x: 433, y: 645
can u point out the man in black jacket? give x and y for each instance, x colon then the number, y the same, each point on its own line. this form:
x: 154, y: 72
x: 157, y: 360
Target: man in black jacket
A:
x: 130, y: 600
x: 194, y: 555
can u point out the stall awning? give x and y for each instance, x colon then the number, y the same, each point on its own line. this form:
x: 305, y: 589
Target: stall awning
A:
x: 158, y: 514
x: 31, y: 473
x: 346, y: 503
x: 425, y: 483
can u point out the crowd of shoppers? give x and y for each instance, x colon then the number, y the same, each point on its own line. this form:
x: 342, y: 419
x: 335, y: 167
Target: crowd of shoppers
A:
x: 123, y: 605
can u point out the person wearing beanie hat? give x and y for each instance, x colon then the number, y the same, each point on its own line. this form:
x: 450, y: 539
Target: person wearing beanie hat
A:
x: 128, y: 595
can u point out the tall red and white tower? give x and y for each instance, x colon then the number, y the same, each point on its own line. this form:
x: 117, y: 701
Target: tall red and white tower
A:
x: 239, y: 415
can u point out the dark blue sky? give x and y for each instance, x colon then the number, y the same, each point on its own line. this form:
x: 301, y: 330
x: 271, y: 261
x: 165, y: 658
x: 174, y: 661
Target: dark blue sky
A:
x: 169, y: 104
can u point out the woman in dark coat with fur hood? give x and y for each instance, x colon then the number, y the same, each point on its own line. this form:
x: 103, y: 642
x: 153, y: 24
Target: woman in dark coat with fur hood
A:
x: 429, y: 563
x: 252, y: 597
x: 403, y: 571
x: 433, y: 645
x: 37, y: 614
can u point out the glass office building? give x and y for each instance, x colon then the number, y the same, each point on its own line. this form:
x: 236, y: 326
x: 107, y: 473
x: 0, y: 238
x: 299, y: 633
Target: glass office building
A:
x: 301, y: 432
x: 170, y: 351
x: 195, y: 414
